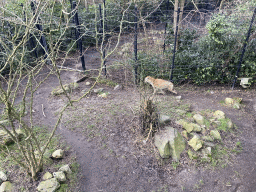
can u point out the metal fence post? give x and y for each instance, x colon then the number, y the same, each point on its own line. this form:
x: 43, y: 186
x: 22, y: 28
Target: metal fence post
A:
x: 31, y: 44
x: 135, y: 43
x: 243, y: 51
x: 102, y: 30
x: 42, y: 39
x: 175, y: 41
x: 166, y: 23
x: 78, y: 38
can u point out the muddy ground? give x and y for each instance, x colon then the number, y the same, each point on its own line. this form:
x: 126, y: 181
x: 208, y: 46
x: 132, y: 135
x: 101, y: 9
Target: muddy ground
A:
x: 105, y: 135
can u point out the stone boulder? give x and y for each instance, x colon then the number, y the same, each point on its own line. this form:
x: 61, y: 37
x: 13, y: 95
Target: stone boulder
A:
x: 65, y: 169
x: 6, y: 187
x: 99, y: 90
x: 3, y: 177
x: 206, y: 154
x: 199, y: 119
x: 60, y: 176
x: 118, y: 87
x: 58, y: 154
x: 170, y: 143
x: 229, y: 101
x: 215, y: 134
x: 207, y: 138
x: 164, y: 119
x: 196, y: 143
x: 47, y: 176
x: 59, y: 90
x: 50, y: 185
x: 219, y: 114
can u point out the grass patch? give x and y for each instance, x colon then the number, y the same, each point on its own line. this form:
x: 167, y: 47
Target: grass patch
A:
x: 7, y: 164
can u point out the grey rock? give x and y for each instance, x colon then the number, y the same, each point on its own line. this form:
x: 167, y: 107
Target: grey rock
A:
x: 3, y: 176
x: 6, y: 187
x: 237, y: 106
x: 206, y: 154
x: 209, y: 144
x: 178, y: 98
x: 215, y: 134
x: 164, y: 119
x: 99, y: 90
x: 170, y: 143
x: 219, y: 114
x: 47, y: 176
x: 60, y: 176
x: 199, y: 119
x: 118, y: 87
x: 229, y: 101
x: 207, y: 138
x: 65, y: 169
x: 58, y: 154
x: 50, y: 185
x: 196, y: 143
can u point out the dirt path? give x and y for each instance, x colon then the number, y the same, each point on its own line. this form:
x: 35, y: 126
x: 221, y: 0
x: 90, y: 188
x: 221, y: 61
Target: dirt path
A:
x: 118, y: 163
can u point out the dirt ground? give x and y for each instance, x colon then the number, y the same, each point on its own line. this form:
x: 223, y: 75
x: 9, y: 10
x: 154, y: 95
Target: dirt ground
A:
x: 105, y: 135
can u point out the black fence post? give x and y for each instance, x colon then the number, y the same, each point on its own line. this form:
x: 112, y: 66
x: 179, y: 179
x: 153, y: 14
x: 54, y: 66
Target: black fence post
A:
x: 175, y: 41
x: 78, y: 38
x: 135, y: 43
x: 42, y: 39
x: 103, y: 38
x: 166, y: 23
x: 244, y: 47
x: 31, y: 45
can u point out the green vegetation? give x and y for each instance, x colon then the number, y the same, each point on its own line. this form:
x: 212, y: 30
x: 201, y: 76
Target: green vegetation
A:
x: 9, y: 165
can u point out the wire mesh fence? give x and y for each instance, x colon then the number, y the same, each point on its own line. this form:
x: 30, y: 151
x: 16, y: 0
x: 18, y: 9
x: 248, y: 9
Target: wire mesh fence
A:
x: 208, y: 46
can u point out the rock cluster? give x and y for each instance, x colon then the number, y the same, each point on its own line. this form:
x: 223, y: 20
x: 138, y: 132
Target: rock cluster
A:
x: 202, y: 134
x: 233, y: 102
x: 5, y: 185
x: 66, y: 88
x: 52, y: 181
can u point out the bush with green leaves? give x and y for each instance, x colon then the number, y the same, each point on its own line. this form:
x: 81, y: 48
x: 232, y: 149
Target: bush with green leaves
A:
x: 214, y: 57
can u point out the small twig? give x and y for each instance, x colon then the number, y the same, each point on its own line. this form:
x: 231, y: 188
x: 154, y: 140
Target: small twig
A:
x: 132, y: 110
x: 151, y: 126
x: 43, y: 110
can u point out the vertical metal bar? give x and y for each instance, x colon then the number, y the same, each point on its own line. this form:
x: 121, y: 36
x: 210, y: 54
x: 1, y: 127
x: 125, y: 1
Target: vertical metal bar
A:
x: 243, y: 51
x: 101, y: 21
x: 175, y: 40
x: 166, y: 23
x: 105, y: 23
x: 102, y: 30
x: 78, y: 38
x: 135, y: 43
x: 42, y: 39
x: 31, y: 41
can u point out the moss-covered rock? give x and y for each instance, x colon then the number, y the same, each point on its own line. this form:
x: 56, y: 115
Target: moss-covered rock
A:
x: 6, y: 187
x: 199, y: 119
x: 207, y: 138
x: 49, y: 185
x: 170, y: 143
x: 219, y: 114
x: 215, y: 134
x: 229, y: 101
x: 196, y: 143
